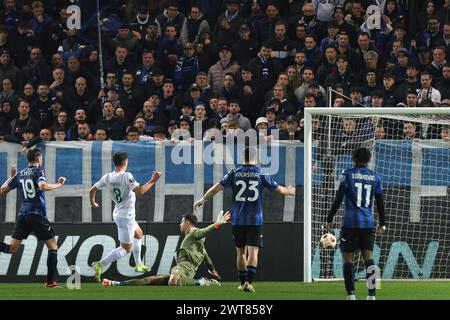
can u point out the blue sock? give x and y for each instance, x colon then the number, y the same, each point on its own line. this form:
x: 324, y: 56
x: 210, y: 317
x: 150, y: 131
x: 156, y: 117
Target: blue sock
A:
x: 349, y: 278
x: 250, y: 273
x: 4, y: 247
x: 52, y: 262
x: 373, y: 282
x: 242, y: 276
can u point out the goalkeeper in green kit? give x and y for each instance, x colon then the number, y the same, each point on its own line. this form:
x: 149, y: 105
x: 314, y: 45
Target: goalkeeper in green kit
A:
x: 189, y: 257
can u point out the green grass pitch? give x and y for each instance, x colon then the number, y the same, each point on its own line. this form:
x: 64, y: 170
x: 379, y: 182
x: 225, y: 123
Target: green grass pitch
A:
x: 419, y: 290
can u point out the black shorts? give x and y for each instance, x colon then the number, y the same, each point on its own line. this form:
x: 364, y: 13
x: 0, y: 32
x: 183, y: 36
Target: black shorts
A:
x: 33, y: 223
x: 248, y: 236
x: 353, y: 239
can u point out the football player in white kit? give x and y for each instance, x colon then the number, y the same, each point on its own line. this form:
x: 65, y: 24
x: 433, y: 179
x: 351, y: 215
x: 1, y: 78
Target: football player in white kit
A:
x: 122, y: 187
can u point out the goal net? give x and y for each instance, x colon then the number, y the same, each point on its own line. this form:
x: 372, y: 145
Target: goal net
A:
x: 411, y: 151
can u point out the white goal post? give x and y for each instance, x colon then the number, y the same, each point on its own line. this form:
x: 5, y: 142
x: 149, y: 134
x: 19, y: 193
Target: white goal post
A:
x: 438, y: 210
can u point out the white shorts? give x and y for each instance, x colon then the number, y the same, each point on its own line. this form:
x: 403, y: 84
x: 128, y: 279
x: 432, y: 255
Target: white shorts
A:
x: 125, y: 229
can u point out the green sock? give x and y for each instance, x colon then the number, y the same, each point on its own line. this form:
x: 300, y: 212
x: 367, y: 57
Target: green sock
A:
x: 187, y: 282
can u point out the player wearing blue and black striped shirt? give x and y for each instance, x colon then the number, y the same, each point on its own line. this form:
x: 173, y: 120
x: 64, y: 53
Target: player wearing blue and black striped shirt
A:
x: 31, y: 184
x: 247, y: 183
x: 359, y: 185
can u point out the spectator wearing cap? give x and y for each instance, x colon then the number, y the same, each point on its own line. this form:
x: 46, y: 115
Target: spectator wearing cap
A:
x: 427, y: 92
x: 444, y: 85
x: 187, y: 111
x: 439, y: 61
x: 324, y: 8
x: 226, y: 30
x: 159, y: 134
x: 139, y: 23
x: 265, y: 68
x: 234, y: 114
x: 24, y: 39
x: 156, y: 84
x: 245, y: 48
x: 332, y: 36
x: 192, y: 96
x: 261, y: 124
x: 130, y: 96
x: 114, y: 126
x: 399, y: 71
x: 171, y: 16
x: 23, y: 119
x: 126, y: 39
x: 194, y: 25
x: 328, y: 65
x: 226, y: 64
x: 411, y: 82
x: 186, y: 68
x: 264, y: 28
x: 253, y: 11
x: 56, y: 106
x: 150, y: 40
x: 343, y: 75
x: 292, y: 131
x: 71, y: 45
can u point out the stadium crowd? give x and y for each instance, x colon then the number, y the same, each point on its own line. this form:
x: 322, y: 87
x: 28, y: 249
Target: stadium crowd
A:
x: 231, y: 64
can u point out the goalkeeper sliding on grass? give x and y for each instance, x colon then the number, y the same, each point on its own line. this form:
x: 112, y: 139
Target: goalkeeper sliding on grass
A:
x: 359, y: 185
x: 189, y: 257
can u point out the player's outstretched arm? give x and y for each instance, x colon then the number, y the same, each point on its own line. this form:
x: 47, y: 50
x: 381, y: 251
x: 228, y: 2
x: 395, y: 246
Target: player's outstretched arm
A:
x: 286, y: 191
x: 140, y: 190
x: 45, y: 186
x: 4, y: 189
x: 223, y: 218
x: 92, y: 193
x: 208, y: 195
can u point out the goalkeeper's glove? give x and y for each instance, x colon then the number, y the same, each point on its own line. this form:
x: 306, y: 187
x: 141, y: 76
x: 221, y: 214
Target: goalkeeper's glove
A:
x: 215, y: 274
x: 222, y: 219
